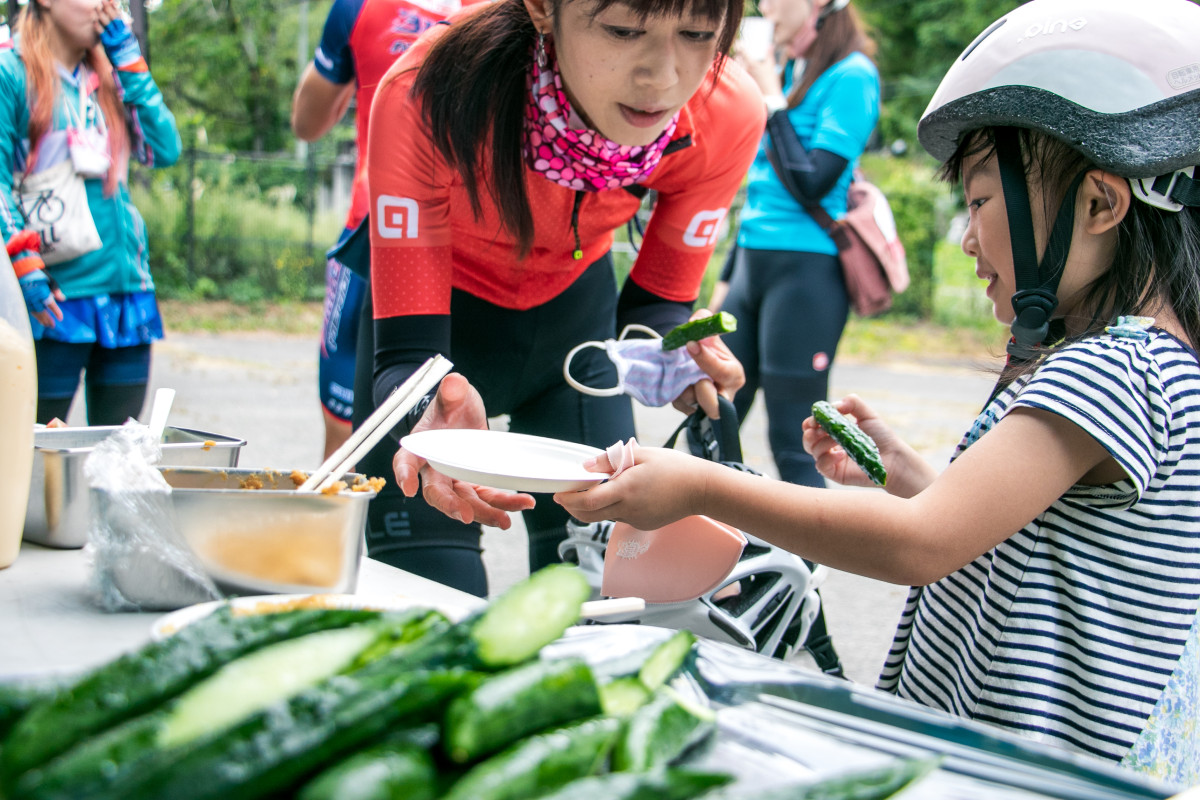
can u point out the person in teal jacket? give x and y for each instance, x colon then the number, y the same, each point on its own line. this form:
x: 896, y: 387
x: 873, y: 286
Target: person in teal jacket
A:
x: 75, y: 88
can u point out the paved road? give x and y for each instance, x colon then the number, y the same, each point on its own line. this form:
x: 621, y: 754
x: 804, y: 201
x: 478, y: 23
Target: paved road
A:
x: 262, y: 388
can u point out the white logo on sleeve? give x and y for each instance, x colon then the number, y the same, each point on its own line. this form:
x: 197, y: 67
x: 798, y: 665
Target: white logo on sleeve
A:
x: 704, y: 229
x: 396, y: 217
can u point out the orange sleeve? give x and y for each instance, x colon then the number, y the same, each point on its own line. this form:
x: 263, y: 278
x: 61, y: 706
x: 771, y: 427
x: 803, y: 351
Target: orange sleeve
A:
x: 409, y: 185
x: 727, y: 125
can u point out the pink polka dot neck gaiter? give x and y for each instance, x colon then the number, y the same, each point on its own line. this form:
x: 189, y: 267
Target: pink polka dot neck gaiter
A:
x: 579, y: 159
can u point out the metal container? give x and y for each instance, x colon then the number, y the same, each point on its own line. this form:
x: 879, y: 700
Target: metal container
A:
x: 270, y: 540
x: 58, y: 510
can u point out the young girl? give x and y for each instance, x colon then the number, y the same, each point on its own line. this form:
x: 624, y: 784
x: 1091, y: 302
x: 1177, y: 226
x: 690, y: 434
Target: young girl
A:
x: 785, y: 281
x: 504, y: 149
x: 1056, y: 560
x: 76, y: 93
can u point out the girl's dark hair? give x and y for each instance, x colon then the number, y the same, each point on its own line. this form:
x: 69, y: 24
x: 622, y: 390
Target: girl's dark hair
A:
x: 472, y: 90
x: 841, y: 33
x: 1156, y: 263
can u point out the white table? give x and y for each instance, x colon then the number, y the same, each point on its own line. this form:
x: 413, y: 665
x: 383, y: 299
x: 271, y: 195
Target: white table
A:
x: 50, y: 623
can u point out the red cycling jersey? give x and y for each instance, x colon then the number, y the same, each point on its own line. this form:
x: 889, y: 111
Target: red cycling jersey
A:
x: 361, y: 39
x: 425, y: 239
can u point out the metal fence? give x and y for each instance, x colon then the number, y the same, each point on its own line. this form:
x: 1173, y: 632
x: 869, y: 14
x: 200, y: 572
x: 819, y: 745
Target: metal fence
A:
x: 243, y: 226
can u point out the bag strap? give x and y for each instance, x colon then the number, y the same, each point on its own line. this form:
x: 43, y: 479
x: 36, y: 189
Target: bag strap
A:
x: 783, y: 145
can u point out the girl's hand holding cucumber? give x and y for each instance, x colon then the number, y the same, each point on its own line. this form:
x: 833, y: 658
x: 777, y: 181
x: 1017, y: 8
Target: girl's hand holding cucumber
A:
x: 890, y: 462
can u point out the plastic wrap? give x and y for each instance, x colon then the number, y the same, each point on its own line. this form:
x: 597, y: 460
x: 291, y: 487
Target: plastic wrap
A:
x: 781, y: 726
x: 139, y: 560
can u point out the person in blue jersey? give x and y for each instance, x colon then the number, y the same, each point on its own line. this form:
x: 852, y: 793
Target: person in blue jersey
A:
x: 784, y: 280
x: 1056, y: 560
x: 75, y: 93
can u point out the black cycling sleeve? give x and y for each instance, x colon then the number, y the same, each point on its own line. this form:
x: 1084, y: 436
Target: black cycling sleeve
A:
x: 807, y: 175
x: 642, y: 307
x: 402, y: 344
x: 727, y: 267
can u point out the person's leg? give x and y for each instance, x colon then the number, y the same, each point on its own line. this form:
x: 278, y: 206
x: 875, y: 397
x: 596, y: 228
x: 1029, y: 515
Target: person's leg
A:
x: 59, y: 365
x: 803, y: 315
x: 401, y: 531
x: 556, y: 410
x: 115, y: 383
x: 743, y: 301
x: 344, y: 292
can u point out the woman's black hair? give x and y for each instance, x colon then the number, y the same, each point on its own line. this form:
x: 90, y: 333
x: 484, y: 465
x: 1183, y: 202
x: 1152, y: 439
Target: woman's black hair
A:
x: 472, y: 90
x: 1156, y: 262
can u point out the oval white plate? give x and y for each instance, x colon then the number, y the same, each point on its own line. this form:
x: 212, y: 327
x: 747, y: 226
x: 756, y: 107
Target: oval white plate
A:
x: 169, y: 624
x: 516, y: 462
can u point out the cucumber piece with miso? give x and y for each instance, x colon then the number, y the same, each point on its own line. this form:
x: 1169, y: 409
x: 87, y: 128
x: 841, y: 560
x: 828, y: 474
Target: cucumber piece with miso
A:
x: 697, y: 329
x: 860, y: 447
x: 517, y: 702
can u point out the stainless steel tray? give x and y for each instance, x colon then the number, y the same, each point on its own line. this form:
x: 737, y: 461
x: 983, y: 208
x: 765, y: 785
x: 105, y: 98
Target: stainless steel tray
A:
x: 272, y: 540
x: 58, y: 510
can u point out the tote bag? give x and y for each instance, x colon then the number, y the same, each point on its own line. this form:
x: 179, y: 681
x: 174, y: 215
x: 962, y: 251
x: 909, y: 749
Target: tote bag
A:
x: 54, y: 203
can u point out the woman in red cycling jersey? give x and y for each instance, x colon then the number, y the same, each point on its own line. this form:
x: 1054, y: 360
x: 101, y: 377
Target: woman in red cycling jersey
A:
x: 504, y: 150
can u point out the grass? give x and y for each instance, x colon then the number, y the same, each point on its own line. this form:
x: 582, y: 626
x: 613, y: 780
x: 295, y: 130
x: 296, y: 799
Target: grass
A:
x: 962, y: 326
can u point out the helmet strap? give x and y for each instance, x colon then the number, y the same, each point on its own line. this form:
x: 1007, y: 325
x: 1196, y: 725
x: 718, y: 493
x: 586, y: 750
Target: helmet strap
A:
x: 1036, y: 297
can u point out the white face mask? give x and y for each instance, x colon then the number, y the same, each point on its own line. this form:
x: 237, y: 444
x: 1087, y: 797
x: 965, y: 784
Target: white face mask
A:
x: 645, y: 372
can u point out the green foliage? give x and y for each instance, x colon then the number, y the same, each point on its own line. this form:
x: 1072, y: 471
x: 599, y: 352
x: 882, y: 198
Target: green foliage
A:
x: 916, y: 199
x: 229, y: 67
x: 918, y: 40
x: 233, y: 238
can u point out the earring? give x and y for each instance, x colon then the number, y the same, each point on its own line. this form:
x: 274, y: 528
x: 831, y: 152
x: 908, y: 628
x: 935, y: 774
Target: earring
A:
x: 540, y: 50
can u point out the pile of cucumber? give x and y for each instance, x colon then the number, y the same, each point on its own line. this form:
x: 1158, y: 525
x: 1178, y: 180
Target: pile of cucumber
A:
x: 319, y: 704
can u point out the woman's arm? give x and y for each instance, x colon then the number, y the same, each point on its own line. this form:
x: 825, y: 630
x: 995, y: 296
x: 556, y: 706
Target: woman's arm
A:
x: 155, y: 139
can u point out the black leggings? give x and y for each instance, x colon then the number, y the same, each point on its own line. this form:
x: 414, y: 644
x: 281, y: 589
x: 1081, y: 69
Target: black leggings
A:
x: 514, y: 359
x: 791, y: 309
x: 114, y: 379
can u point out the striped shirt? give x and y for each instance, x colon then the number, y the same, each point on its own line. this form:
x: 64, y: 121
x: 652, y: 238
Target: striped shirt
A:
x: 1069, y: 629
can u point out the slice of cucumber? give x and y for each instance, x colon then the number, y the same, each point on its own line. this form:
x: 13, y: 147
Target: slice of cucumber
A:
x: 530, y: 615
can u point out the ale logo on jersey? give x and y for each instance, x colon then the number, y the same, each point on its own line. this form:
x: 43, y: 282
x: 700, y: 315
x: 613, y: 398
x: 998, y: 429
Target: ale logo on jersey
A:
x: 704, y: 228
x: 396, y: 217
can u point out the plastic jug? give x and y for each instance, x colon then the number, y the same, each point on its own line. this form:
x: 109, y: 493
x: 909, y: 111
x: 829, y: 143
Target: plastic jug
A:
x: 18, y: 409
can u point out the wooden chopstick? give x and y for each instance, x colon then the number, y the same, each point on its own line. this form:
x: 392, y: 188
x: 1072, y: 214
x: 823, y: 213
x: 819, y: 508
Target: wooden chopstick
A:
x: 376, y: 426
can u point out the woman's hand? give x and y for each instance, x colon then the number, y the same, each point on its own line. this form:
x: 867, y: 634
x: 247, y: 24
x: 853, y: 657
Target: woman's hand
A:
x: 725, y: 374
x: 907, y: 472
x: 661, y: 487
x: 457, y: 405
x: 106, y: 13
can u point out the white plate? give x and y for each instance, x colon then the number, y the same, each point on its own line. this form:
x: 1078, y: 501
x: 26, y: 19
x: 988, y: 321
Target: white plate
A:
x: 171, y: 623
x: 503, y: 460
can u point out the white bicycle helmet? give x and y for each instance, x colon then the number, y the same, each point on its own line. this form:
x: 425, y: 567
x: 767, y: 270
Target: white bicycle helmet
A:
x: 1117, y: 80
x: 771, y: 610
